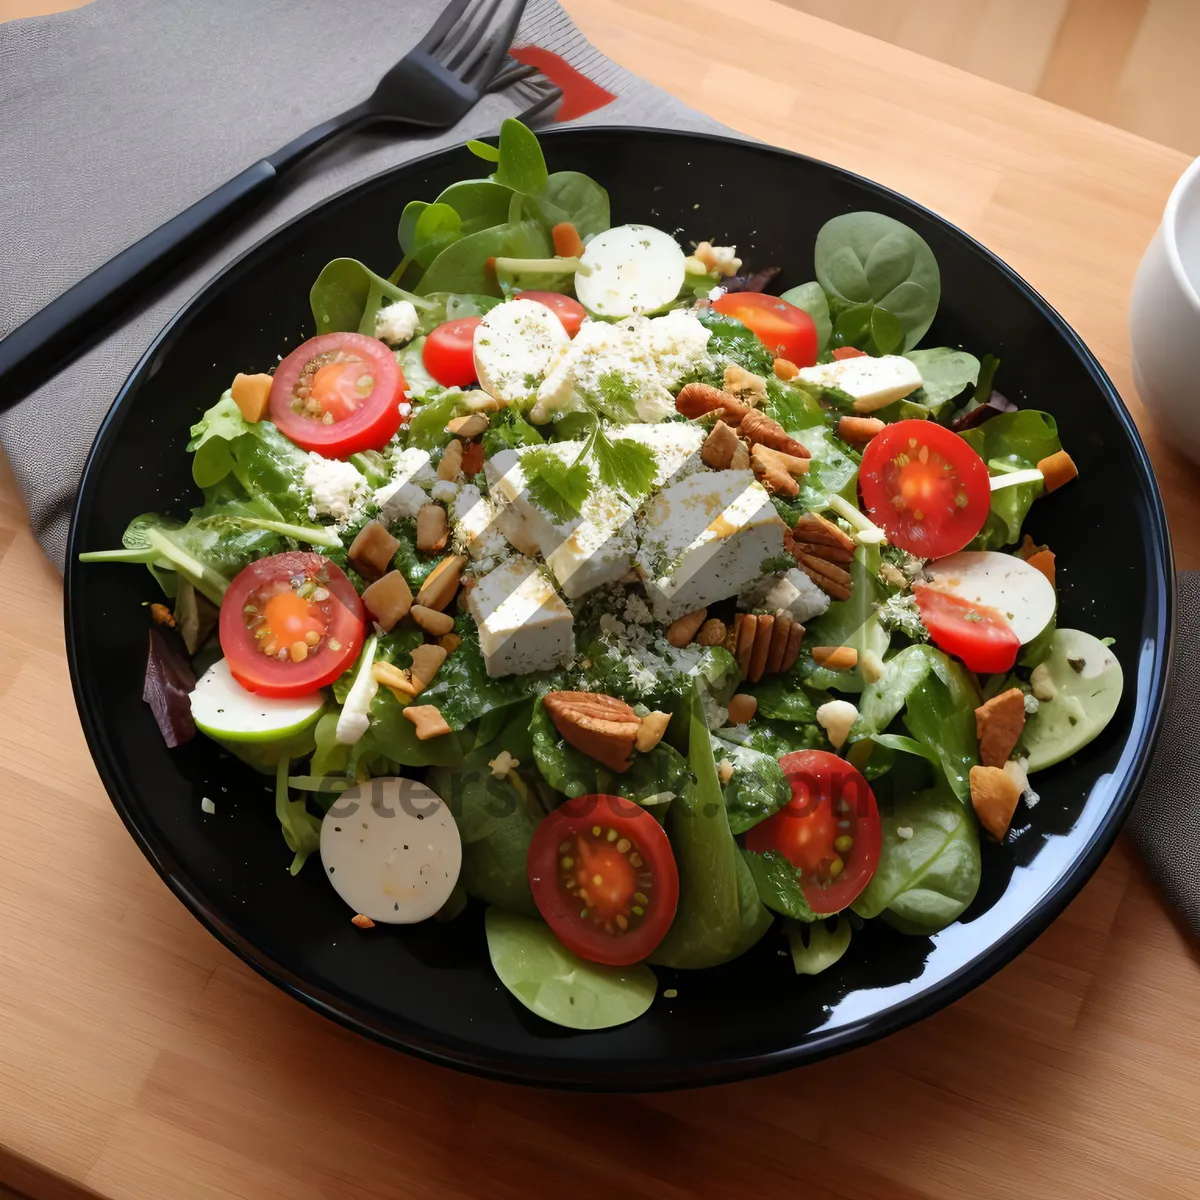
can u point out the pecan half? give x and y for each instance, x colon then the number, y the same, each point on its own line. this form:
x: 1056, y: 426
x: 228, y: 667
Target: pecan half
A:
x: 761, y: 429
x: 602, y: 727
x: 696, y: 399
x: 829, y: 577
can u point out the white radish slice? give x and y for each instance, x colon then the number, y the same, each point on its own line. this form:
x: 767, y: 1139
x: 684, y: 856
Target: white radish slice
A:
x: 391, y: 849
x: 1021, y: 593
x: 516, y: 345
x: 630, y: 268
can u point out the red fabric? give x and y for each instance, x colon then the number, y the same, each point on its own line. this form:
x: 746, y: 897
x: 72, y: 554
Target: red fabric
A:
x: 580, y: 94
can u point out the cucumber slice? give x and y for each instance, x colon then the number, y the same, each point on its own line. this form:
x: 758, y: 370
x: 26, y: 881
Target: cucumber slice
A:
x: 631, y: 268
x: 1087, y: 681
x: 260, y: 730
x: 1000, y: 581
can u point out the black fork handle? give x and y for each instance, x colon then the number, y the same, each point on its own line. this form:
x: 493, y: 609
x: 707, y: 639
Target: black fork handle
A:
x: 50, y: 338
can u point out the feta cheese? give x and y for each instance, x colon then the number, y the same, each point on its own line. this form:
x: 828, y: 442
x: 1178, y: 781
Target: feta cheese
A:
x: 401, y: 497
x: 837, y: 717
x: 523, y: 624
x: 646, y: 357
x: 792, y: 591
x: 630, y: 268
x: 444, y: 491
x: 517, y: 344
x: 338, y: 490
x: 396, y: 323
x: 474, y: 517
x: 872, y: 383
x: 637, y: 612
x: 704, y: 539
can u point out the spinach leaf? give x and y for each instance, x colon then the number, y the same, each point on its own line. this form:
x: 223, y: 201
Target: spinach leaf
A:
x: 783, y: 697
x: 394, y: 736
x: 521, y: 165
x: 794, y: 408
x: 427, y: 425
x: 946, y: 374
x: 818, y: 945
x: 773, y: 738
x: 941, y: 714
x: 301, y: 830
x: 850, y: 622
x: 832, y: 471
x: 777, y: 884
x: 560, y: 986
x: 811, y: 298
x: 347, y: 295
x: 452, y: 306
x: 719, y: 914
x: 731, y: 341
x: 883, y: 700
x: 508, y: 430
x: 462, y: 265
x: 575, y: 197
x: 757, y: 787
x: 926, y: 879
x: 438, y: 225
x: 480, y: 204
x: 865, y: 260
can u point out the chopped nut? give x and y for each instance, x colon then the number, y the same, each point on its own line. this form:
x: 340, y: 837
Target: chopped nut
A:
x: 650, y: 731
x: 721, y: 259
x: 451, y: 465
x: 858, y: 431
x: 433, y: 529
x: 724, y: 771
x: 785, y: 369
x: 252, y: 394
x: 426, y: 662
x: 1041, y: 683
x: 758, y: 428
x: 467, y: 427
x: 428, y: 720
x: 742, y: 708
x: 746, y: 627
x: 432, y: 621
x: 450, y: 642
x: 372, y: 551
x: 744, y: 385
x: 712, y: 632
x: 836, y: 658
x: 791, y: 652
x: 994, y: 796
x: 741, y: 457
x: 699, y: 399
x: 160, y: 614
x: 829, y: 577
x: 779, y: 639
x: 361, y: 921
x: 763, y: 630
x: 442, y: 583
x: 503, y: 764
x: 1057, y: 469
x: 837, y: 718
x: 388, y: 600
x: 680, y: 633
x: 1017, y: 773
x: 818, y: 531
x: 399, y: 682
x: 778, y: 471
x: 720, y: 447
x: 602, y: 727
x: 998, y: 725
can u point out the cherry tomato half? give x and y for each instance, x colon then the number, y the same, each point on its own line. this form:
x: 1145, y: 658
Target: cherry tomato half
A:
x: 926, y: 487
x: 829, y: 830
x: 567, y: 309
x: 980, y: 636
x: 290, y: 624
x: 787, y: 331
x: 603, y: 875
x: 449, y: 352
x: 338, y: 393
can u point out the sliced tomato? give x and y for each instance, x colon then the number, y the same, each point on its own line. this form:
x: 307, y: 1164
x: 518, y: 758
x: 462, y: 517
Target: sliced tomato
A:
x: 787, y: 331
x: 980, y: 636
x: 566, y: 308
x: 603, y: 875
x: 290, y: 624
x: 338, y: 393
x: 449, y: 352
x: 849, y: 352
x: 829, y: 830
x: 925, y: 486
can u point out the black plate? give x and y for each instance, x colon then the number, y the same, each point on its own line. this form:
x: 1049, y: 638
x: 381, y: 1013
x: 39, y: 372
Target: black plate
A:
x: 430, y: 989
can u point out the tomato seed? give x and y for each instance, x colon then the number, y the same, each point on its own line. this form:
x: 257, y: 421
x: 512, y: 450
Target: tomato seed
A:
x: 298, y: 651
x: 622, y: 923
x: 611, y: 835
x: 623, y: 845
x: 843, y: 844
x: 635, y: 860
x: 312, y: 637
x: 836, y: 868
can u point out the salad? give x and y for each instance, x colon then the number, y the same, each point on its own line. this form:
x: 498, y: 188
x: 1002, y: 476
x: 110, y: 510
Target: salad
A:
x: 569, y: 571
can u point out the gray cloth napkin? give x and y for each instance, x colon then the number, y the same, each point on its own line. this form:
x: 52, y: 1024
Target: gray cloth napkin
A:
x: 118, y: 115
x: 115, y: 117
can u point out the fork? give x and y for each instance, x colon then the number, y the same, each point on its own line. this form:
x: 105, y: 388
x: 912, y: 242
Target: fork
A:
x: 463, y: 56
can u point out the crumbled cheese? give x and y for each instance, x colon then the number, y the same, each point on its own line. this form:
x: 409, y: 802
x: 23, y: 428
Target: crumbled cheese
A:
x: 207, y: 805
x: 1032, y: 704
x: 793, y: 591
x: 716, y: 293
x: 904, y: 832
x: 444, y: 491
x: 722, y: 259
x: 396, y: 323
x: 338, y: 490
x: 476, y: 533
x: 637, y: 611
x: 837, y: 717
x: 399, y: 499
x: 609, y: 624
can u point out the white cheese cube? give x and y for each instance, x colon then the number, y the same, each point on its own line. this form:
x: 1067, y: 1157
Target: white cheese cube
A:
x: 792, y: 591
x: 396, y: 323
x: 705, y: 538
x: 872, y: 383
x: 676, y: 446
x: 475, y: 529
x: 516, y: 345
x: 523, y: 624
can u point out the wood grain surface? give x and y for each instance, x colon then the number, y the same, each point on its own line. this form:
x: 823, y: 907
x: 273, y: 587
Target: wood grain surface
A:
x: 139, y: 1059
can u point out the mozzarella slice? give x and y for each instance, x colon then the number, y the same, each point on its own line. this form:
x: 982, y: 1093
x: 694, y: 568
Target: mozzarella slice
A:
x: 872, y: 383
x: 630, y: 268
x: 516, y: 345
x: 1000, y: 581
x: 391, y: 849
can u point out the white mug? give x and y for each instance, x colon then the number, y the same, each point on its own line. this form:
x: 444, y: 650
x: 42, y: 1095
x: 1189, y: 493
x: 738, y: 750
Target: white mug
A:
x: 1164, y: 319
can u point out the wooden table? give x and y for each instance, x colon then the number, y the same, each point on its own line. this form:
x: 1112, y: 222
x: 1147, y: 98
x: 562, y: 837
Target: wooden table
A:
x: 138, y: 1058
